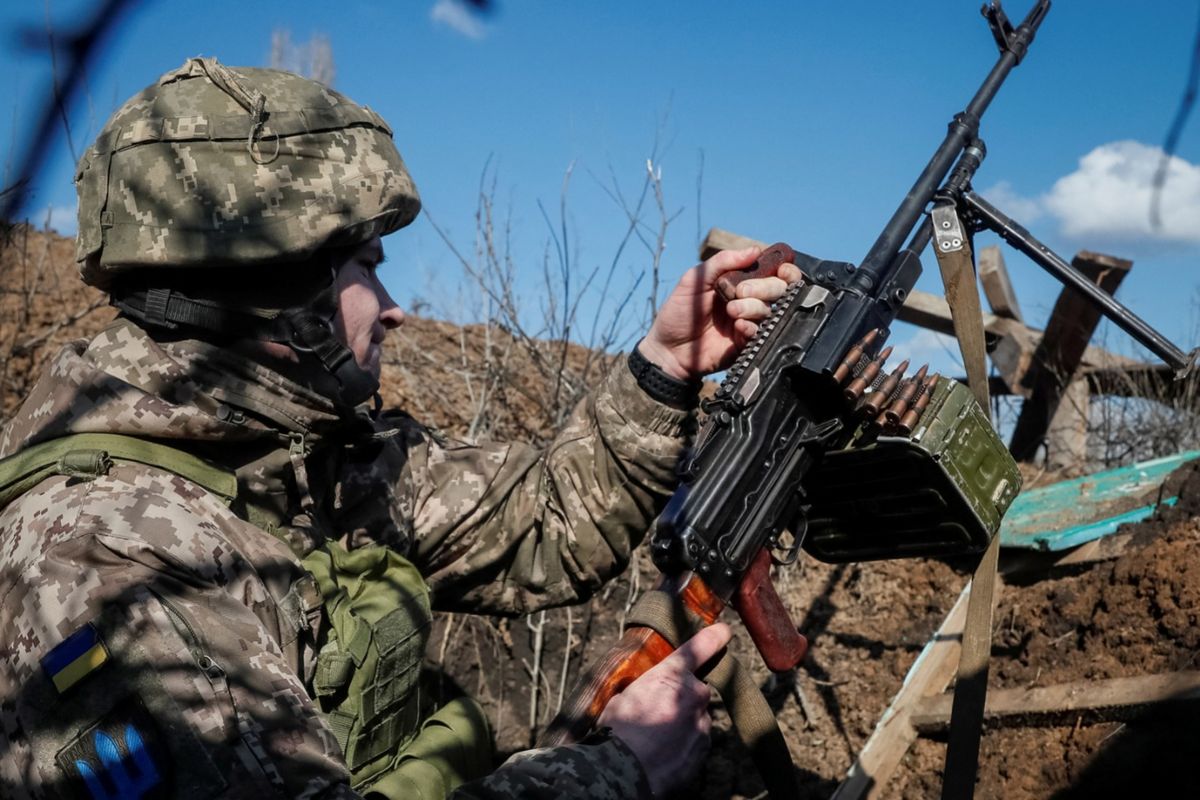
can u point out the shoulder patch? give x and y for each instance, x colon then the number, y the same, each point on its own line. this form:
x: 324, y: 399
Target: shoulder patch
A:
x: 76, y: 657
x: 117, y: 758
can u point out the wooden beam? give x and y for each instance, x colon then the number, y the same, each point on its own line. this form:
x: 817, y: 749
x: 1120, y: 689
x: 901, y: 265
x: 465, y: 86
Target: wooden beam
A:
x: 1030, y: 562
x: 997, y: 287
x: 1060, y: 353
x: 930, y: 674
x: 932, y: 312
x: 1066, y: 436
x: 1091, y: 701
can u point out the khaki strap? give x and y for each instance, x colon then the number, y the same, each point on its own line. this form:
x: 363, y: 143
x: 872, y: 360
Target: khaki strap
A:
x: 957, y: 265
x: 89, y: 455
x: 748, y: 709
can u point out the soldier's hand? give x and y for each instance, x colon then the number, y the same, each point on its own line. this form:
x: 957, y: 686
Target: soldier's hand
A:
x: 663, y: 715
x: 696, y: 332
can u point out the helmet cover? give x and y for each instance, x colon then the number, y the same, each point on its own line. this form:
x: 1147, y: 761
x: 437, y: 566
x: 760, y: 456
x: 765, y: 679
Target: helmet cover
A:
x: 218, y: 167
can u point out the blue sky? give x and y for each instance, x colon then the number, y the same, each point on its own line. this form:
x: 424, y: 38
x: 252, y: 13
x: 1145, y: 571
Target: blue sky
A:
x: 810, y: 121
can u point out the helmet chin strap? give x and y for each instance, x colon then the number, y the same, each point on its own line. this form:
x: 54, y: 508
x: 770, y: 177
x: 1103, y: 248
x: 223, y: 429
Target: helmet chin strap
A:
x: 314, y: 334
x: 306, y: 329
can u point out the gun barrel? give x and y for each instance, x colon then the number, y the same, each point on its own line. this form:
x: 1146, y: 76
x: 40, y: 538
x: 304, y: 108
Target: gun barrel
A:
x: 963, y: 129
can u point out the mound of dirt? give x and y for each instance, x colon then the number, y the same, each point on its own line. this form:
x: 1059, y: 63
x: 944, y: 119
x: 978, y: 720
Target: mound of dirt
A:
x: 1133, y: 616
x: 43, y: 305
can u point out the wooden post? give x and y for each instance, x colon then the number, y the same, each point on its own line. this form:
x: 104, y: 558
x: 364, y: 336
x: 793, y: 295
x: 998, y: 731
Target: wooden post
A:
x: 1060, y: 353
x: 996, y: 286
x: 1062, y: 704
x: 1066, y: 437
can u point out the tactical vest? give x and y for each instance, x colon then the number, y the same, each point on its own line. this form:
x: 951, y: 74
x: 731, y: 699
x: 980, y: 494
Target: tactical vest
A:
x: 396, y: 744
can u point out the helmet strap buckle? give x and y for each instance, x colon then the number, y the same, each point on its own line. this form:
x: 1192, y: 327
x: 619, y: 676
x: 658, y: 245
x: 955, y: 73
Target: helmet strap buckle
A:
x: 155, y: 309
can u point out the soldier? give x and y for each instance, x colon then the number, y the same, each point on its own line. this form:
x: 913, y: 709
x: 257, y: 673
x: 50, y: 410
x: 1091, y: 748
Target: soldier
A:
x: 220, y: 562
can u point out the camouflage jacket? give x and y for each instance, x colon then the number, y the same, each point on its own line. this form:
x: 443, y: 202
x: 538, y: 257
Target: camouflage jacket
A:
x: 204, y: 636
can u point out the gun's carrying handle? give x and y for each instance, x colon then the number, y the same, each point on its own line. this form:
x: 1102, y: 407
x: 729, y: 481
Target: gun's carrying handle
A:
x: 767, y: 621
x: 766, y: 265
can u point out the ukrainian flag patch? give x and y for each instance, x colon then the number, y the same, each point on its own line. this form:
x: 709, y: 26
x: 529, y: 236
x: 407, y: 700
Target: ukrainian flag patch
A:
x: 76, y: 657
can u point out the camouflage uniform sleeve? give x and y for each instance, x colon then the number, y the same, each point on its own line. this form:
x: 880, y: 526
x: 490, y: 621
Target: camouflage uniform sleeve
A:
x: 508, y: 529
x: 601, y: 767
x: 185, y: 682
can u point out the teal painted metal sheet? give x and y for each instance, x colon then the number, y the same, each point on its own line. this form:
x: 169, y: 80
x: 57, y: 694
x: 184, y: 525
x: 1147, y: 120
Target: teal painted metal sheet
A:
x: 1069, y: 513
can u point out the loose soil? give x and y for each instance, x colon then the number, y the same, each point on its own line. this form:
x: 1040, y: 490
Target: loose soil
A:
x: 866, y: 623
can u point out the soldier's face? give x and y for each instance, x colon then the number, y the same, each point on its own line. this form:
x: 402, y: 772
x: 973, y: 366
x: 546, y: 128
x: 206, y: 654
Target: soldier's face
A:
x: 366, y: 312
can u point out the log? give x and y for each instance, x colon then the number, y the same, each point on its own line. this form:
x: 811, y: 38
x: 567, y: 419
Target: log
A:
x: 997, y: 287
x: 1059, y: 355
x: 1090, y: 701
x: 1032, y: 562
x: 1066, y: 436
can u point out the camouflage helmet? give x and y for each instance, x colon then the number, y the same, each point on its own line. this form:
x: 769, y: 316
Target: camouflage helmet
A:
x: 212, y: 166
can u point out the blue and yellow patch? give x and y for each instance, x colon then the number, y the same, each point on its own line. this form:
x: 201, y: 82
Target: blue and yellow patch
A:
x: 76, y: 657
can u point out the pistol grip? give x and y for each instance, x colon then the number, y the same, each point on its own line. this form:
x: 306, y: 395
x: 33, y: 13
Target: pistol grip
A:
x: 765, y: 617
x: 766, y: 265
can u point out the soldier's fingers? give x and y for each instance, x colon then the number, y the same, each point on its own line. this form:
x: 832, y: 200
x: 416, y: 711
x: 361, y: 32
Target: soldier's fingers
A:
x: 744, y: 330
x: 766, y: 289
x: 750, y: 308
x: 697, y: 651
x: 704, y: 727
x: 790, y: 273
x: 728, y: 261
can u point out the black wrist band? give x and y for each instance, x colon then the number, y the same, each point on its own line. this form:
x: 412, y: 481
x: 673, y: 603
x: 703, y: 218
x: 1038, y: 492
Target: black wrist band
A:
x: 661, y: 386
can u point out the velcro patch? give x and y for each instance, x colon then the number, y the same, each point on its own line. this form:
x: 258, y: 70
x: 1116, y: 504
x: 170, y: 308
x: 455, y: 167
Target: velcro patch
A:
x: 77, y: 656
x: 120, y: 757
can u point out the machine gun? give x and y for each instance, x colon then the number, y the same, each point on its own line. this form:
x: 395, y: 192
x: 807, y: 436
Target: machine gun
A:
x: 806, y: 443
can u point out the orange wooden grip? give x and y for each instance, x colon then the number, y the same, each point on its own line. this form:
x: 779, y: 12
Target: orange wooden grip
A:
x: 638, y: 650
x: 766, y: 265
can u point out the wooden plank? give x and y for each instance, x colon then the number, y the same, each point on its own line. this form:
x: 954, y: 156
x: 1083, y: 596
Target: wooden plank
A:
x: 932, y: 312
x: 1090, y: 701
x: 930, y: 674
x: 1030, y: 562
x: 1060, y: 353
x: 997, y: 287
x: 1105, y: 548
x: 1066, y: 436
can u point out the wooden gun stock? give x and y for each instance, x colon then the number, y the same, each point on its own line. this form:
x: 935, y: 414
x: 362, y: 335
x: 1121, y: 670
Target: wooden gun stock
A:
x: 640, y: 648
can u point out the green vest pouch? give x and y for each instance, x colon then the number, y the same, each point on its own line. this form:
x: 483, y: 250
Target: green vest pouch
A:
x: 367, y: 678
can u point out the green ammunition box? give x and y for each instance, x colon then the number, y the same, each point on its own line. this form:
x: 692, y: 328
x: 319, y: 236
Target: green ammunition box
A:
x: 940, y: 492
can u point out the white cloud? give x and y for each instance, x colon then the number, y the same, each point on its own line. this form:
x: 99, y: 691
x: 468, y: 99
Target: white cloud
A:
x: 456, y: 16
x: 1109, y: 195
x: 1006, y: 198
x: 1107, y: 198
